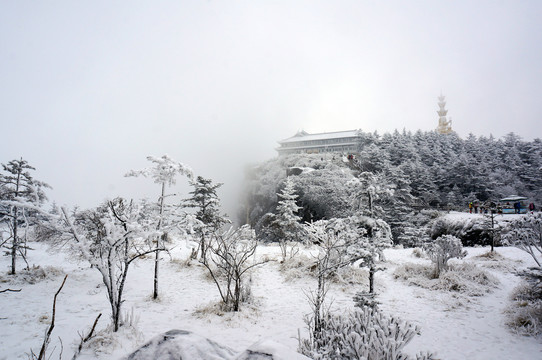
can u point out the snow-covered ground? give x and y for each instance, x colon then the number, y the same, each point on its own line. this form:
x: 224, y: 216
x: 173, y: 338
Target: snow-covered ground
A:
x: 453, y: 327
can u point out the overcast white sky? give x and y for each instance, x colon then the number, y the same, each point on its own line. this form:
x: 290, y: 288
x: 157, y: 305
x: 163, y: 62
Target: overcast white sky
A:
x: 88, y: 89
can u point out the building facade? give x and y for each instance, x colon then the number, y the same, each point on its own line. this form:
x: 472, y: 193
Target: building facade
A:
x: 303, y: 142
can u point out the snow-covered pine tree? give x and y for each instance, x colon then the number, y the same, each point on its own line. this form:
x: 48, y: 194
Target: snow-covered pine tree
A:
x: 398, y: 203
x: 366, y: 239
x: 369, y: 189
x: 378, y: 239
x: 207, y: 204
x: 20, y: 198
x: 286, y: 219
x: 164, y: 172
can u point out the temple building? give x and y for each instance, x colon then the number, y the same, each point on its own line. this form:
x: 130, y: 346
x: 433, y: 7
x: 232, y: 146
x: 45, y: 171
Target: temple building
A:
x: 303, y: 142
x: 444, y: 124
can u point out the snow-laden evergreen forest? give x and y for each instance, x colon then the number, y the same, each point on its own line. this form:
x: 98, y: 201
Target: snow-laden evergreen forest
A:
x: 375, y: 257
x: 410, y: 174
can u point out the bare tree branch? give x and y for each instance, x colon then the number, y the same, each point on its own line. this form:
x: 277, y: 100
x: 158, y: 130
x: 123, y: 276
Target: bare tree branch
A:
x: 86, y: 338
x: 41, y: 356
x: 5, y: 290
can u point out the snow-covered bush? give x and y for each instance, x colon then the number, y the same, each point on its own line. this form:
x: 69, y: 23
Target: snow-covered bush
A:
x: 363, y: 299
x: 230, y: 256
x: 350, y: 275
x: 298, y: 267
x: 364, y: 333
x: 111, y: 237
x: 32, y: 275
x: 301, y: 266
x: 411, y: 272
x: 496, y: 261
x: 525, y: 233
x: 443, y: 249
x: 525, y: 312
x: 332, y: 255
x: 466, y: 279
x: 472, y: 230
x: 411, y: 235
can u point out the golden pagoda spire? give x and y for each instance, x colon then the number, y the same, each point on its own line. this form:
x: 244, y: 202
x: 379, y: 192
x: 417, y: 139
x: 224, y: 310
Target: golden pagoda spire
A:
x: 444, y: 124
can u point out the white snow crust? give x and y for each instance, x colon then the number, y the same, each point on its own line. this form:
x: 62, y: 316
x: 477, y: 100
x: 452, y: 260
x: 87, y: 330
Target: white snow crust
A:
x: 451, y: 327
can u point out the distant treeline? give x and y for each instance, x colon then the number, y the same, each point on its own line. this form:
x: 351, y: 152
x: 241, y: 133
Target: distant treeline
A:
x: 447, y: 171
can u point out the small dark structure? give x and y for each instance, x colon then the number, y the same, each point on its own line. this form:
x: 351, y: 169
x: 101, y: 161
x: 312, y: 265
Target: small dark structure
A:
x: 514, y: 204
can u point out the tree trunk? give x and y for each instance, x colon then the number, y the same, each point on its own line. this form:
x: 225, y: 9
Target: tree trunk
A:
x: 156, y: 263
x: 115, y: 308
x: 317, y: 307
x: 371, y: 279
x: 237, y: 294
x: 492, y: 231
x: 14, y: 245
x: 202, y: 247
x: 15, y: 242
x: 120, y: 290
x: 157, y: 257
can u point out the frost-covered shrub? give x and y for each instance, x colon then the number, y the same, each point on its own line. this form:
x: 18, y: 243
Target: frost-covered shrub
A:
x: 414, y: 273
x: 525, y: 233
x: 494, y: 260
x: 350, y: 275
x: 525, y: 318
x: 231, y: 255
x: 525, y: 312
x: 364, y: 333
x: 363, y: 299
x: 298, y: 267
x: 466, y: 279
x: 106, y: 341
x: 443, y: 249
x: 33, y: 275
x: 301, y: 266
